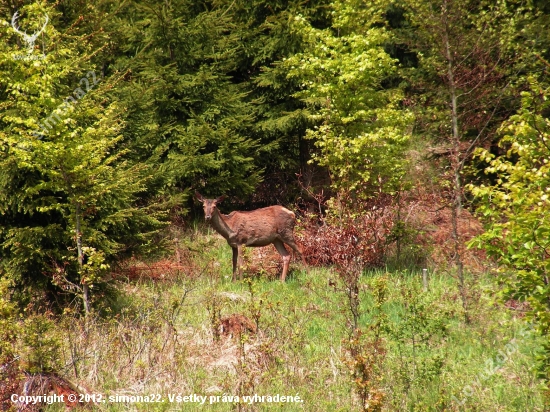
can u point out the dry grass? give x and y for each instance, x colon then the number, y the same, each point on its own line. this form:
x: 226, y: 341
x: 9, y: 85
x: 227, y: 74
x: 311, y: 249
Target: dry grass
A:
x: 162, y: 270
x: 147, y: 353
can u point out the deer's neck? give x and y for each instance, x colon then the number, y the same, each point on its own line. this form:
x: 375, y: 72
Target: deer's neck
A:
x: 220, y: 225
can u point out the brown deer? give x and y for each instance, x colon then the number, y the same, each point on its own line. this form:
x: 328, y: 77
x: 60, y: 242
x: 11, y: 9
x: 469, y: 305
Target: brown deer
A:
x: 260, y: 227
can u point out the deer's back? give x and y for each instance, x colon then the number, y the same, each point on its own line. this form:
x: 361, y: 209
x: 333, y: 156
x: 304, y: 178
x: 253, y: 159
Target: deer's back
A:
x: 261, y: 227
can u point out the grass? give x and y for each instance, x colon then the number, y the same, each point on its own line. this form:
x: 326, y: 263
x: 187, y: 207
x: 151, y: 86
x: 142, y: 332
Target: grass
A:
x: 162, y: 340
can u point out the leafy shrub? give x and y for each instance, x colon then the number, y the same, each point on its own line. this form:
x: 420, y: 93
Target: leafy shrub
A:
x: 515, y: 210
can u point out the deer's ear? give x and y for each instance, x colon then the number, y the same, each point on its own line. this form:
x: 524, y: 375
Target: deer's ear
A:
x: 221, y: 198
x: 199, y: 197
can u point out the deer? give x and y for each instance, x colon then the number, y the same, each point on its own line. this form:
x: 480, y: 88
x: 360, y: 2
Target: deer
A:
x: 256, y: 228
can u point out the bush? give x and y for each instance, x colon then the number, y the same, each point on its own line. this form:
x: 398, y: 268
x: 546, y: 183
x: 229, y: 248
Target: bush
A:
x: 339, y: 240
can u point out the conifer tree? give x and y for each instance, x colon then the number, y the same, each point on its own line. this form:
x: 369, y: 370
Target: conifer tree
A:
x: 68, y: 197
x: 186, y: 114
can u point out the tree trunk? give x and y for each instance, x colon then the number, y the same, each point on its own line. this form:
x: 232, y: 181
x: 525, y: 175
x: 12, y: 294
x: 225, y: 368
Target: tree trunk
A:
x: 85, y: 287
x: 456, y: 163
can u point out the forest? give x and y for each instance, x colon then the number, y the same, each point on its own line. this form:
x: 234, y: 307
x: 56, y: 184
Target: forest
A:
x: 411, y: 140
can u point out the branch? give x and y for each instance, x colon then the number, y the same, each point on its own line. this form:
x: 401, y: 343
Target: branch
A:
x: 542, y: 60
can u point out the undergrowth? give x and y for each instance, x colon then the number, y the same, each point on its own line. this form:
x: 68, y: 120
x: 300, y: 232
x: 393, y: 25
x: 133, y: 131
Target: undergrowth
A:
x: 406, y: 350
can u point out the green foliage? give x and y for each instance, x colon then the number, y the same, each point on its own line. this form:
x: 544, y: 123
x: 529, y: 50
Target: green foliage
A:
x: 417, y: 331
x: 303, y: 342
x: 32, y: 342
x: 40, y: 345
x: 468, y: 54
x: 122, y: 108
x: 269, y: 35
x: 186, y: 115
x: 62, y: 165
x: 9, y: 328
x: 366, y: 352
x: 360, y: 128
x: 461, y: 64
x: 516, y: 209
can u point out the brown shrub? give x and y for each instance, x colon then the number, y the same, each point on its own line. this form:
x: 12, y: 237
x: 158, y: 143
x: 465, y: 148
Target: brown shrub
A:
x: 361, y: 239
x: 10, y: 381
x: 429, y: 216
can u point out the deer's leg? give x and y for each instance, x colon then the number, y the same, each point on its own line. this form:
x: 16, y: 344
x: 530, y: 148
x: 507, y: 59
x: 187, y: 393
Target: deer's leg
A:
x: 235, y: 261
x: 297, y: 249
x: 240, y: 261
x: 280, y: 246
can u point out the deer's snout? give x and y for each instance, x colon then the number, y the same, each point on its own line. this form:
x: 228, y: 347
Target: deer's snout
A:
x: 207, y: 217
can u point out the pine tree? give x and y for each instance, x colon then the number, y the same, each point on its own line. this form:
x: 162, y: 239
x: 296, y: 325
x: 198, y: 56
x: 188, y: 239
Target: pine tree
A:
x: 270, y: 34
x: 186, y: 114
x: 68, y: 196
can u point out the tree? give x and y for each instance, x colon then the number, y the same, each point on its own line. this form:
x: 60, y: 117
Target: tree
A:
x: 269, y: 34
x: 186, y: 115
x: 359, y: 126
x: 516, y: 208
x: 68, y: 197
x: 467, y: 61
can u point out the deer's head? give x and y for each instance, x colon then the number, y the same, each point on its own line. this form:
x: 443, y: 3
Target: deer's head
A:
x: 209, y: 205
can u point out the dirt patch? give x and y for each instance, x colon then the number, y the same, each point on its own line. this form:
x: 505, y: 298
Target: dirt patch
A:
x: 431, y: 218
x: 162, y: 270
